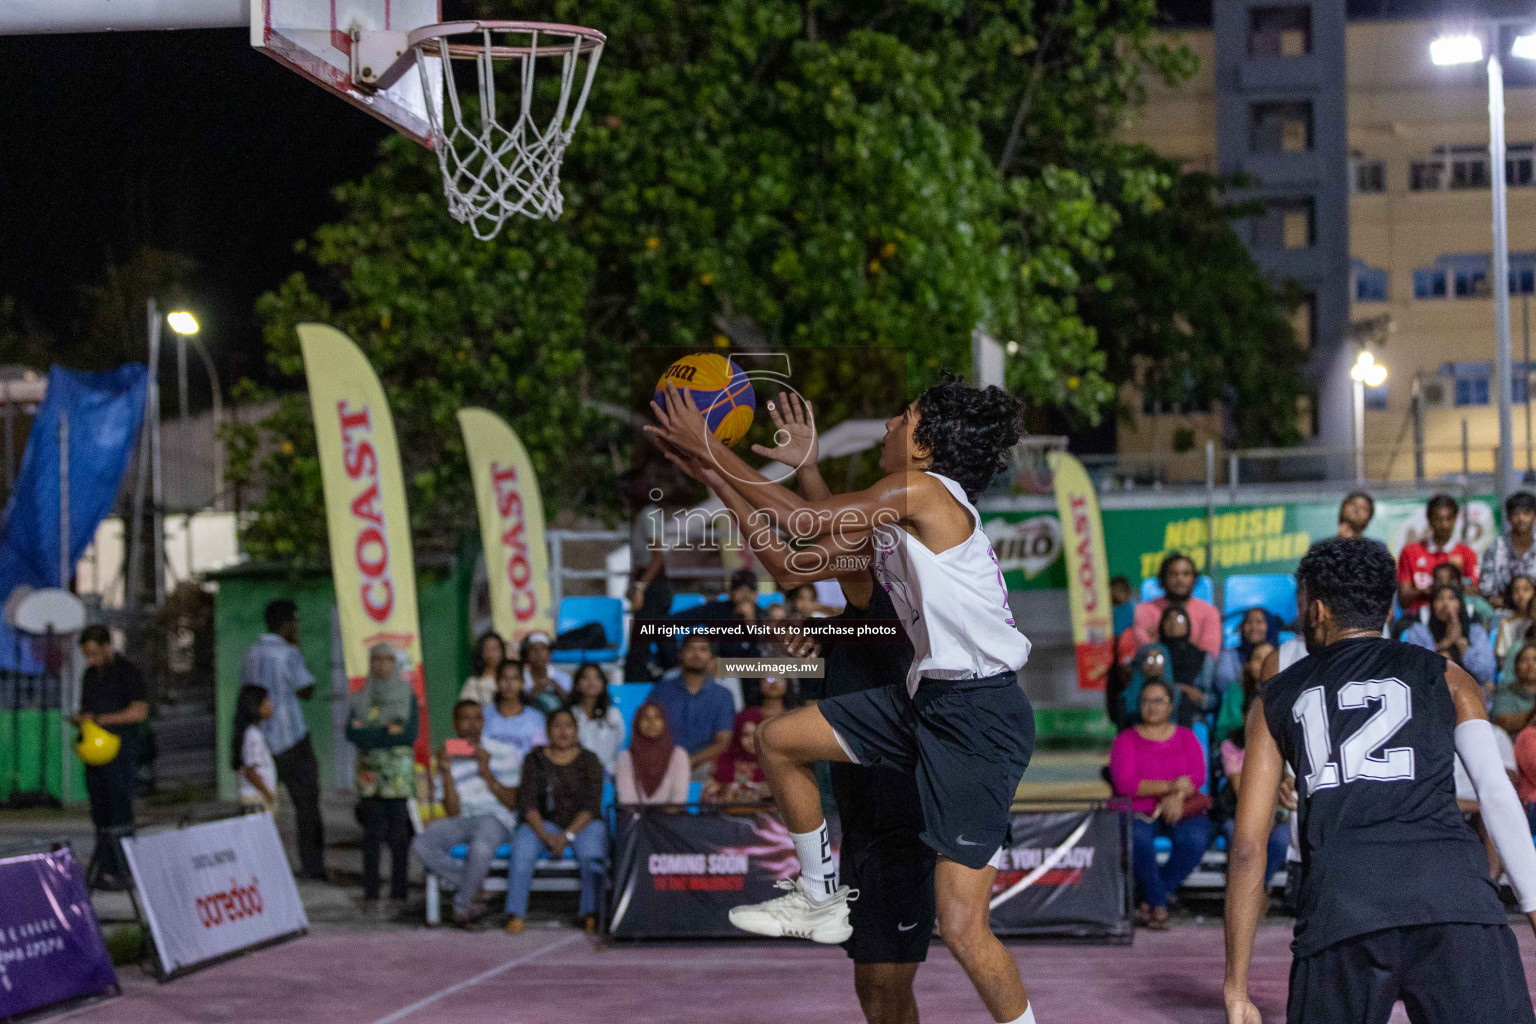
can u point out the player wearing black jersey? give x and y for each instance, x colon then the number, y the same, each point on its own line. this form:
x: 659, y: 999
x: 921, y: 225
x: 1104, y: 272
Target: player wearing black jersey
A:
x: 882, y: 855
x: 1395, y: 899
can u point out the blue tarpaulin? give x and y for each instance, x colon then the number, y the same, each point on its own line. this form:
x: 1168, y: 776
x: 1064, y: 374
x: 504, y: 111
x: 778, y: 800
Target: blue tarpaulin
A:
x: 105, y: 412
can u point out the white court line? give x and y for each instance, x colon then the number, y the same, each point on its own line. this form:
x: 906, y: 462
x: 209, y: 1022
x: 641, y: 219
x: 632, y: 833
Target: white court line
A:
x: 422, y: 1004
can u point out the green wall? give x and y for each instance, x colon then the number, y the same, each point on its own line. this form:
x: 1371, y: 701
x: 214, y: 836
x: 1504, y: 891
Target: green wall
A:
x: 442, y: 599
x: 30, y: 736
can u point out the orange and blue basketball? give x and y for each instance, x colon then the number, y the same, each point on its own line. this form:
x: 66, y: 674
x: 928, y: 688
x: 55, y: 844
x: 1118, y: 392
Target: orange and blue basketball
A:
x: 720, y: 389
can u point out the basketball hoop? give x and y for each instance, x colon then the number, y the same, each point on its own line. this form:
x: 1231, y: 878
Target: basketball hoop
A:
x: 496, y: 164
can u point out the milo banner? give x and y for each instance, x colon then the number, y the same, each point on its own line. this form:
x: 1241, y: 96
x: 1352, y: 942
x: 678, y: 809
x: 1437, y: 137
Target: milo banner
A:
x: 51, y: 950
x: 678, y: 875
x: 511, y: 526
x: 1066, y: 875
x: 370, y: 531
x: 1093, y: 626
x: 1268, y: 538
x: 211, y: 890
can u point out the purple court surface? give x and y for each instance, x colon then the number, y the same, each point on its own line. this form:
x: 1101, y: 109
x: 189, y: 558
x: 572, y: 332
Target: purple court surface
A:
x: 448, y: 977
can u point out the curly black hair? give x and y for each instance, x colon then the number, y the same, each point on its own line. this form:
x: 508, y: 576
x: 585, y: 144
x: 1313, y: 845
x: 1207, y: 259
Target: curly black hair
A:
x: 967, y: 430
x: 1354, y: 578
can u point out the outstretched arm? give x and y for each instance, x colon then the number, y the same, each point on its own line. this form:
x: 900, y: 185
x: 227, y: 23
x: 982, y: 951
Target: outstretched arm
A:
x: 823, y: 559
x: 1246, y: 899
x: 1503, y: 816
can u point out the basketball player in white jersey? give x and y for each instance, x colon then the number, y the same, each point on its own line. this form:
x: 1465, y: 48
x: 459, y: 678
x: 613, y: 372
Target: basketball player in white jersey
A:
x: 960, y: 723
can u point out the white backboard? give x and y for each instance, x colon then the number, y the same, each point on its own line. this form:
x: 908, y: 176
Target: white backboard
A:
x: 314, y: 38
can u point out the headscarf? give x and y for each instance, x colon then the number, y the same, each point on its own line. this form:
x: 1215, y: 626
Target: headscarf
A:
x: 1272, y: 626
x: 651, y: 757
x: 1185, y: 660
x: 391, y: 695
x: 737, y: 755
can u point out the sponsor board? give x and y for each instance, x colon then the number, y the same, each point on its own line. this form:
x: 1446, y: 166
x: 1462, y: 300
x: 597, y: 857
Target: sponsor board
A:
x: 51, y: 949
x: 214, y: 889
x: 678, y: 875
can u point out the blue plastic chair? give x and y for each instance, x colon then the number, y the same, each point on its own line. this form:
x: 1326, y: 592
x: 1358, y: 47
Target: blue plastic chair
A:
x: 682, y: 602
x: 769, y: 600
x: 695, y: 793
x: 1205, y: 590
x: 1274, y: 592
x: 607, y: 612
x: 1202, y: 731
x: 628, y: 697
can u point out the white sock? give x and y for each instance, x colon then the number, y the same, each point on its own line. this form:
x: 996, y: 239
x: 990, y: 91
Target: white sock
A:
x: 818, y: 875
x: 1028, y: 1016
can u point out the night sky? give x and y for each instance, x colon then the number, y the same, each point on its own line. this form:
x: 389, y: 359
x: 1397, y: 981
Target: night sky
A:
x: 194, y: 142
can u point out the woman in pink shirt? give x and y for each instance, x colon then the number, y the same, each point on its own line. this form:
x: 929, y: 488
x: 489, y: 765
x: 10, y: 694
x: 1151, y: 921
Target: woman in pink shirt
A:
x: 1161, y: 767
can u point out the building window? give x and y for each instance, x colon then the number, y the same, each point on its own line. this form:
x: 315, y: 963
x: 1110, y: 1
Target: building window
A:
x: 1463, y: 167
x: 1522, y: 279
x: 1522, y: 273
x: 1369, y: 177
x: 1286, y: 224
x: 1304, y: 320
x: 1280, y: 31
x: 1519, y: 169
x: 1469, y: 278
x: 1376, y: 398
x: 1281, y: 127
x: 1370, y: 283
x: 1306, y: 416
x: 1429, y: 283
x: 1471, y: 390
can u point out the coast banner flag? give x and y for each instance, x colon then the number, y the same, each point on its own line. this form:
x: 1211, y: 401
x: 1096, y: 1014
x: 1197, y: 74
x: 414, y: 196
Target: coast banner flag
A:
x: 365, y: 511
x: 511, y: 525
x: 1082, y: 530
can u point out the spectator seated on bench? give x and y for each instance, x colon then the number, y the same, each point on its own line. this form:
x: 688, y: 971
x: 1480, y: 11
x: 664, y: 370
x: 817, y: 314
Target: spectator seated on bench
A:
x: 480, y: 816
x: 560, y: 799
x: 1160, y: 767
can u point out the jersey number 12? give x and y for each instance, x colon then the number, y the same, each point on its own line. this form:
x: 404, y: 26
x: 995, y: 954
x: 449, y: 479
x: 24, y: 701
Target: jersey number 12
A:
x: 1359, y: 754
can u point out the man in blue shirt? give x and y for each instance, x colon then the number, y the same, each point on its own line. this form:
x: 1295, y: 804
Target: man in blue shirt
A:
x: 700, y: 712
x: 276, y: 664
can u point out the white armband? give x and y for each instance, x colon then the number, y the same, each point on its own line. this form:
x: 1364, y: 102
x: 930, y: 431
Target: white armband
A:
x: 1502, y: 814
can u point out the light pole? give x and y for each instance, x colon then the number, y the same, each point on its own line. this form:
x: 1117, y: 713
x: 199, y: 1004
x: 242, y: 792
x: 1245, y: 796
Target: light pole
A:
x: 1467, y: 48
x: 1366, y: 373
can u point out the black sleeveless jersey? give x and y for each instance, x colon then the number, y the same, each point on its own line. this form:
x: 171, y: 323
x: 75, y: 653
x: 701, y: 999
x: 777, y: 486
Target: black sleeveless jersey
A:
x: 859, y: 665
x: 1368, y: 726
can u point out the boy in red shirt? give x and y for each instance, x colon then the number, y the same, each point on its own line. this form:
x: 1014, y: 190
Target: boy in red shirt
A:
x: 1416, y: 564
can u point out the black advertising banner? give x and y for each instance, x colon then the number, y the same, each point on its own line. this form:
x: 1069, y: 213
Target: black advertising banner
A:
x: 1067, y: 875
x: 677, y: 874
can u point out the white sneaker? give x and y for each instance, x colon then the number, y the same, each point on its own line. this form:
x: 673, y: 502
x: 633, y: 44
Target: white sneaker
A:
x: 795, y: 915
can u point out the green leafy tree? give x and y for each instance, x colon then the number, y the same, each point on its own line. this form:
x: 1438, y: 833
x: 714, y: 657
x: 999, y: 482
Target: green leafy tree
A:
x: 1186, y: 302
x: 757, y: 173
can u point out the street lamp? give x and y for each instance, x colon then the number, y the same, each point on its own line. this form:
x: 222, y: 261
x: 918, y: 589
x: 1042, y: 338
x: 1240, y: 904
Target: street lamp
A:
x: 1366, y: 373
x: 1467, y: 48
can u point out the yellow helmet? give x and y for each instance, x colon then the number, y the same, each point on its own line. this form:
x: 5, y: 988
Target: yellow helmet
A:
x: 97, y: 746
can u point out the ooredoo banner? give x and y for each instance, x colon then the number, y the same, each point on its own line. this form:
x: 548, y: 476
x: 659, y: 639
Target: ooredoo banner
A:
x: 50, y: 945
x: 214, y: 889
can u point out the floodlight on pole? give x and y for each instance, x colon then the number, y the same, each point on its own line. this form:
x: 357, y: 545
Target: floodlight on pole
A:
x: 1462, y: 48
x: 182, y: 322
x: 1467, y: 48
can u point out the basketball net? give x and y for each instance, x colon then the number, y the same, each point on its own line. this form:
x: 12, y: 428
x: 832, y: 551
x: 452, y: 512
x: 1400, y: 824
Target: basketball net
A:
x: 499, y: 163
